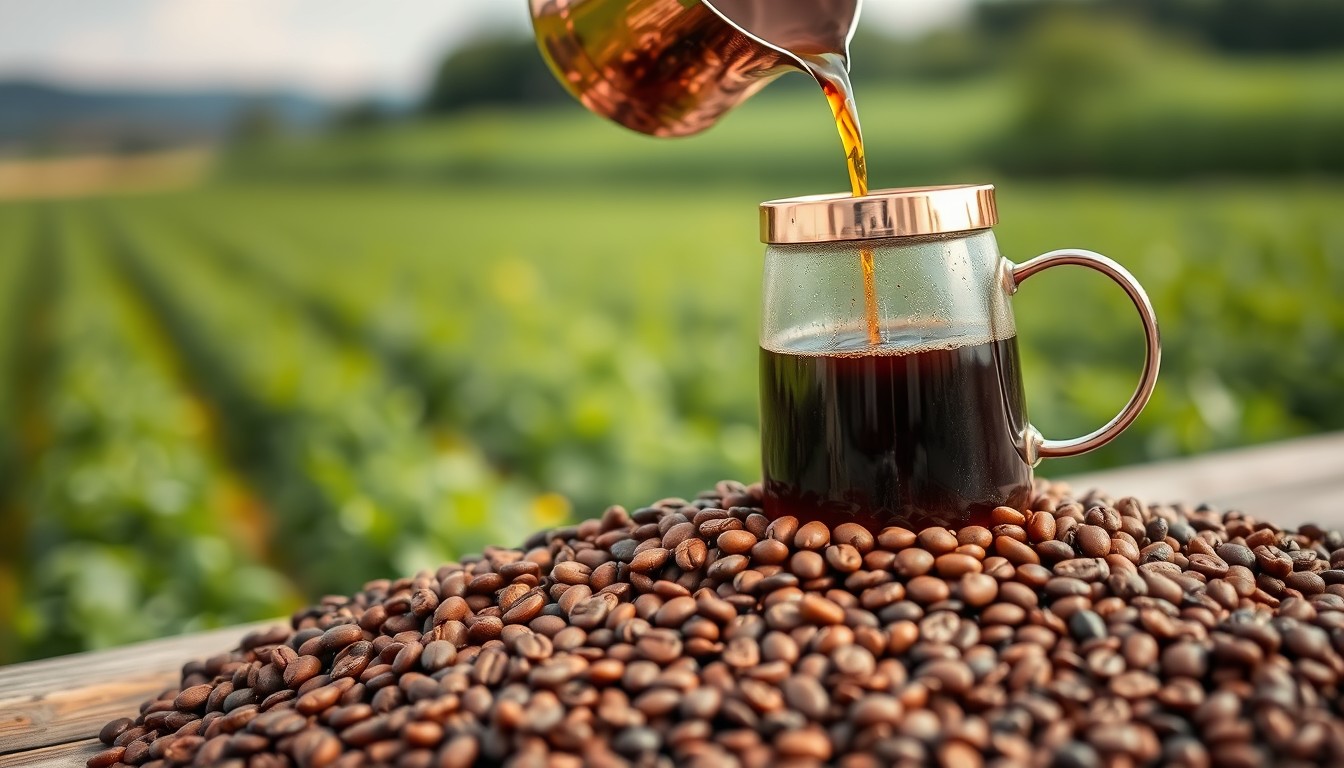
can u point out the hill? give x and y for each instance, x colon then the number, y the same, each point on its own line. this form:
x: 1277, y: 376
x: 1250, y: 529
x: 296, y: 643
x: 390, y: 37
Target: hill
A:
x: 44, y: 117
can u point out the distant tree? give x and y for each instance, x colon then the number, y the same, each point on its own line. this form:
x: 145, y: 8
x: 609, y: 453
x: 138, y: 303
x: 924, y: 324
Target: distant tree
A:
x: 1234, y: 26
x: 1289, y: 26
x: 498, y: 70
x: 944, y: 54
x: 360, y: 115
x: 257, y: 123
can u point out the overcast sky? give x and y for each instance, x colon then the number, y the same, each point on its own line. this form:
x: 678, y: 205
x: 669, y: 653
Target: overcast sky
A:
x: 339, y: 48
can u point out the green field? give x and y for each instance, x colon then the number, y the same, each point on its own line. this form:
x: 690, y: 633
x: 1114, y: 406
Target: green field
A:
x: 355, y: 357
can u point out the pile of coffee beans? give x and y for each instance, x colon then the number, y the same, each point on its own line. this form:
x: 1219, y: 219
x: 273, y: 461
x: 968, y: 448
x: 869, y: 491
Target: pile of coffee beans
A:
x: 1078, y: 632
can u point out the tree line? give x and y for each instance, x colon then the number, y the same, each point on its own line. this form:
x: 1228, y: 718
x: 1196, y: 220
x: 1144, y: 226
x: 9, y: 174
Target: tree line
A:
x: 509, y: 71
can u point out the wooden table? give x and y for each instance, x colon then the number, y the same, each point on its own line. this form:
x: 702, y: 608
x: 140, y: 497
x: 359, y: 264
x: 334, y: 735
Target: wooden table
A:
x: 51, y: 710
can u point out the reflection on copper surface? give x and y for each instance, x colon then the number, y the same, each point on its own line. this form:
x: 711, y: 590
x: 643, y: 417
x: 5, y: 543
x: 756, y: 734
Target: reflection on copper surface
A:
x: 913, y: 212
x: 673, y: 67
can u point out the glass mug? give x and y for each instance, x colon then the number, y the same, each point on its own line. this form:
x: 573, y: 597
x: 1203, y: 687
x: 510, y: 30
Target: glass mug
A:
x: 901, y: 401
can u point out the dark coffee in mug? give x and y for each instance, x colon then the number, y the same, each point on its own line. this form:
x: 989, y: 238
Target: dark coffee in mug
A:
x: 916, y: 433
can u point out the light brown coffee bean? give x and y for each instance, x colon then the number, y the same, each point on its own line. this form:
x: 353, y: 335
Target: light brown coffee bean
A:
x: 937, y: 541
x: 1015, y: 551
x: 691, y: 554
x: 1092, y: 541
x: 910, y: 563
x: 854, y: 535
x: 952, y: 565
x: 736, y: 542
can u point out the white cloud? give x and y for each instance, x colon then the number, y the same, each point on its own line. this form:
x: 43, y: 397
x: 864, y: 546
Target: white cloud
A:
x: 913, y: 16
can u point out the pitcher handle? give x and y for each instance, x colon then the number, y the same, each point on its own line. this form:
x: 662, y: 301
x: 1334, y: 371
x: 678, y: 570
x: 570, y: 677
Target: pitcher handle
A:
x: 1035, y: 447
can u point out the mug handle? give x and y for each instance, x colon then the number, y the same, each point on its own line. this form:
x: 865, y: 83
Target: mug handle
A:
x: 1034, y: 446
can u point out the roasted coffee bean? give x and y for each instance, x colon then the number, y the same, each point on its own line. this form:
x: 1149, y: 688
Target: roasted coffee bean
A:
x: 1092, y: 541
x: 813, y: 535
x: 1071, y: 632
x: 854, y: 535
x: 736, y: 542
x: 1086, y: 625
x: 953, y: 565
x: 1016, y: 552
x: 977, y: 589
x: 844, y: 558
x: 301, y: 670
x: 115, y: 728
x: 340, y: 636
x: 937, y: 541
x: 570, y: 572
x: 910, y: 563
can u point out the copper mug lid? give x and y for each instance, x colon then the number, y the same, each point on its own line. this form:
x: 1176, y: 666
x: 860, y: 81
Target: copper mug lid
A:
x: 883, y: 213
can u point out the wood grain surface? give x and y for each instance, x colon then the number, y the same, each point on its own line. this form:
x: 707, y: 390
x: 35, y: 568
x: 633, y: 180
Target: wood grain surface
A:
x: 47, y: 705
x: 1289, y: 483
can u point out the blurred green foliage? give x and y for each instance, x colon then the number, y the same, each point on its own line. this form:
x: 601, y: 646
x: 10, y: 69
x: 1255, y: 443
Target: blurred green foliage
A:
x: 356, y: 356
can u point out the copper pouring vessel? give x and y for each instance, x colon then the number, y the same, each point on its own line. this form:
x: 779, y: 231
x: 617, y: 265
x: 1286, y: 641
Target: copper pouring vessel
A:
x: 674, y: 67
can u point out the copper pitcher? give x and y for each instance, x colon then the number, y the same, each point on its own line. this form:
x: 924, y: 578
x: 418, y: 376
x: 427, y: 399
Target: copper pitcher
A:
x: 673, y: 67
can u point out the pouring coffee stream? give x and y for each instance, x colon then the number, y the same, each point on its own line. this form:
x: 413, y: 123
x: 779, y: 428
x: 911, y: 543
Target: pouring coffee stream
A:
x: 674, y: 67
x: 830, y: 72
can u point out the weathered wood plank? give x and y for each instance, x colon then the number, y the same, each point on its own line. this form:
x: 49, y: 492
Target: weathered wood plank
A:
x: 1290, y: 483
x: 55, y: 701
x: 72, y: 755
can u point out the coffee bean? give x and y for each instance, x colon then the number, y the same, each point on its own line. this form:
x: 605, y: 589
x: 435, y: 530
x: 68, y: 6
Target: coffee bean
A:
x: 1092, y: 541
x: 352, y: 661
x: 1211, y: 566
x: 107, y: 757
x: 910, y: 563
x: 736, y: 542
x: 1236, y: 554
x: 691, y: 554
x: 810, y: 743
x: 958, y: 754
x: 340, y: 636
x: 725, y: 568
x: 113, y: 729
x: 525, y: 609
x: 977, y: 589
x: 807, y: 565
x: 301, y: 670
x: 661, y: 646
x: 765, y: 552
x: 1083, y: 569
x: 805, y: 694
x: 854, y: 535
x: 1015, y: 551
x: 1086, y: 625
x: 1186, y: 659
x: 571, y: 572
x: 927, y: 590
x: 952, y: 565
x: 813, y: 535
x: 1041, y: 527
x: 649, y: 560
x: 189, y: 700
x: 1306, y: 582
x: 844, y: 558
x: 937, y: 541
x: 1007, y: 516
x: 815, y: 609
